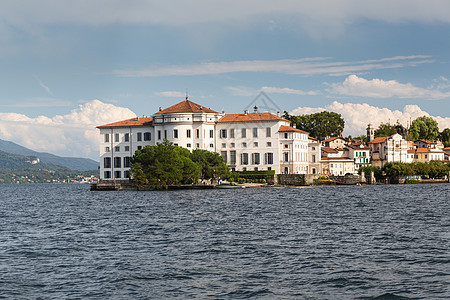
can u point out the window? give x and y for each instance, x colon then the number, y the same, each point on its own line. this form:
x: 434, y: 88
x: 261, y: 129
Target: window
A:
x: 188, y: 133
x: 255, y: 159
x: 268, y: 132
x: 117, y: 174
x: 223, y: 133
x: 165, y: 134
x: 313, y: 158
x: 232, y: 157
x: 126, y: 162
x: 232, y: 133
x: 268, y: 158
x: 244, y: 158
x: 175, y: 133
x: 116, y: 137
x: 211, y: 145
x: 244, y: 132
x: 211, y: 133
x: 426, y: 156
x: 107, y: 149
x: 313, y: 148
x: 188, y: 145
x: 269, y: 144
x: 286, y: 135
x: 224, y: 155
x: 331, y: 165
x: 232, y: 145
x: 127, y: 137
x: 197, y: 145
x: 255, y: 132
x: 224, y: 145
x: 107, y: 162
x: 117, y: 162
x: 106, y: 138
x: 147, y: 136
x: 244, y: 145
x: 286, y: 156
x: 139, y: 147
x: 255, y: 144
x: 107, y: 174
x: 139, y: 136
x: 159, y: 134
x: 197, y: 133
x: 286, y: 146
x: 117, y: 149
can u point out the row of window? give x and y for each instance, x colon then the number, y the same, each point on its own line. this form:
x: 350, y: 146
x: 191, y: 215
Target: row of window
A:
x: 117, y: 162
x: 126, y: 137
x: 224, y: 133
x: 117, y: 149
x: 117, y: 174
x: 244, y: 145
x: 244, y: 158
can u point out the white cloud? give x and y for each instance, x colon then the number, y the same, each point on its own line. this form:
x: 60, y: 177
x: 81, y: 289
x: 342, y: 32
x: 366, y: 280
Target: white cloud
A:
x: 43, y: 85
x: 73, y: 134
x: 305, y: 66
x: 378, y: 88
x: 174, y: 94
x: 357, y: 116
x: 278, y: 90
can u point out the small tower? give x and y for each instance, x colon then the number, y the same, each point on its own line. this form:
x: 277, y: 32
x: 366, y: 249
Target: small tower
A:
x: 370, y: 132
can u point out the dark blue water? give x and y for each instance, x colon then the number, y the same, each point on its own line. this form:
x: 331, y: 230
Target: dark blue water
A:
x: 65, y: 242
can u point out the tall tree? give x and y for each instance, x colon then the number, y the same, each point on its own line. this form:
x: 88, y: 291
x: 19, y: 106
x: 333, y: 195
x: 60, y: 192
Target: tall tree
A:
x: 320, y: 124
x: 210, y: 163
x: 385, y: 129
x: 444, y: 136
x: 424, y: 128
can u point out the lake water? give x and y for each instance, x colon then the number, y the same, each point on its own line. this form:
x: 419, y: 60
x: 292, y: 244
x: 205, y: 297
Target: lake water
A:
x: 66, y: 242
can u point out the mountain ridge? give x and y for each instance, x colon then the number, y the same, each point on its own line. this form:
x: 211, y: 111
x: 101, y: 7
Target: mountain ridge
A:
x: 73, y: 163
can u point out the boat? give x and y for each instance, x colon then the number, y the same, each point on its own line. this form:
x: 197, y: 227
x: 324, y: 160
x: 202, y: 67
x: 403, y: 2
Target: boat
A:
x: 230, y: 185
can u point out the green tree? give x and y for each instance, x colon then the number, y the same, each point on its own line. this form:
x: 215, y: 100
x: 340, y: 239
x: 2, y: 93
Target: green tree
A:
x: 164, y: 165
x: 385, y: 129
x: 211, y: 164
x: 444, y: 136
x: 320, y: 124
x: 424, y: 128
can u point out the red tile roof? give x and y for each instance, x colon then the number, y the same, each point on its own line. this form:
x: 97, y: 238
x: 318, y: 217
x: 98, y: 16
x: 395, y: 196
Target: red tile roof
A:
x: 336, y: 158
x: 186, y: 106
x: 139, y: 121
x: 378, y: 140
x: 426, y: 141
x: 422, y: 150
x: 333, y: 138
x: 250, y: 117
x: 411, y: 151
x: 328, y: 150
x: 284, y: 128
x: 316, y: 140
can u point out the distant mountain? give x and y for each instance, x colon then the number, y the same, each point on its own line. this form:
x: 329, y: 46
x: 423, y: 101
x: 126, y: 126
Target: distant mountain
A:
x: 16, y: 161
x: 74, y: 163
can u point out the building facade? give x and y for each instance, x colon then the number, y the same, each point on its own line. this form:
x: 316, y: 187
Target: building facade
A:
x: 248, y: 141
x: 388, y: 149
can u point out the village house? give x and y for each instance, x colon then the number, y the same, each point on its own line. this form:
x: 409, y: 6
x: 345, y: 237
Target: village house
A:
x: 388, y: 149
x: 336, y: 162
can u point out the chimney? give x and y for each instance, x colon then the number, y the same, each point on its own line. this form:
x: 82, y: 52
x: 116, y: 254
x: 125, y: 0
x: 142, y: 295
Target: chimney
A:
x: 278, y: 113
x: 245, y: 112
x: 294, y: 125
x: 160, y: 108
x: 255, y: 109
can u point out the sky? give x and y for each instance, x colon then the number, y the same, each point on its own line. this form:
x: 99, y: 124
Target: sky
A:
x: 69, y: 66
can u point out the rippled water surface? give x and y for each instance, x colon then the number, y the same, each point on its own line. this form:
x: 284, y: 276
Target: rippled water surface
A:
x: 64, y: 241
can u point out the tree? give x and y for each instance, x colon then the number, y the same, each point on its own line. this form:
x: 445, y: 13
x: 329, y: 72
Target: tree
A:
x: 424, y: 128
x: 163, y: 165
x: 444, y: 136
x: 211, y: 164
x: 385, y: 129
x: 320, y: 124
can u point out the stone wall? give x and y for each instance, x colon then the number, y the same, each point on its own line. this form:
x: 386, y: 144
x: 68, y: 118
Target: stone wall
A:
x: 296, y: 179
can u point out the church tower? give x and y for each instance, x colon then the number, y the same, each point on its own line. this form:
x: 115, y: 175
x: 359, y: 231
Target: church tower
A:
x: 370, y: 133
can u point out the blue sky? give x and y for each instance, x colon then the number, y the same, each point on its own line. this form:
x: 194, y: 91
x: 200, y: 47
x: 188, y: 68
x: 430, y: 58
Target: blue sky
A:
x: 81, y: 63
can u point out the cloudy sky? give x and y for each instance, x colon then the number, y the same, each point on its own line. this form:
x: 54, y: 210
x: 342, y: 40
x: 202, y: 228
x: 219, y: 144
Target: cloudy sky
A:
x: 68, y: 66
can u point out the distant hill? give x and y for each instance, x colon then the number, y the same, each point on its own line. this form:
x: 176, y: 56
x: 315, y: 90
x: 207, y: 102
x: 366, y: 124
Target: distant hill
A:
x: 73, y: 163
x: 16, y: 161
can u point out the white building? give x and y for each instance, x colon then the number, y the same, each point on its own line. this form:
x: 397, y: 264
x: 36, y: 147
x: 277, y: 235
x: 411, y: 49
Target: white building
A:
x: 248, y: 141
x: 314, y: 155
x: 388, y: 149
x: 262, y: 141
